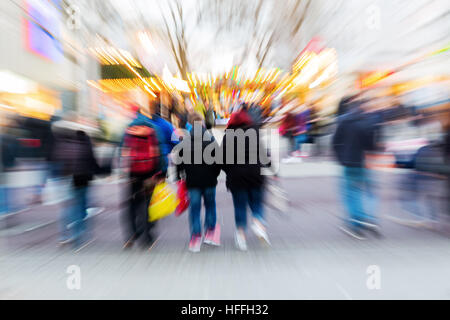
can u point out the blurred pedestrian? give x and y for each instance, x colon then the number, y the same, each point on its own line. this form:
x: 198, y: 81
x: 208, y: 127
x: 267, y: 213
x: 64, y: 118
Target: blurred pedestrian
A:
x: 288, y: 129
x: 144, y: 158
x: 201, y: 182
x: 255, y: 113
x: 432, y: 165
x: 38, y: 143
x: 353, y: 138
x: 301, y: 136
x: 8, y: 149
x: 447, y: 161
x: 166, y: 132
x: 74, y: 154
x: 242, y: 165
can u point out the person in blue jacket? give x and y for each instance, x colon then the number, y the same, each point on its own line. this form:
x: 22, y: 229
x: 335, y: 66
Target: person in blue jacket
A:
x: 165, y: 130
x: 149, y: 117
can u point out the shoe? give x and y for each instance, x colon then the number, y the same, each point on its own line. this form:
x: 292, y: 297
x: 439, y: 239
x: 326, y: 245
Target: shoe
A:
x: 129, y: 243
x: 366, y: 225
x: 66, y: 241
x: 372, y: 228
x: 212, y: 237
x: 354, y: 232
x: 241, y: 243
x: 260, y: 231
x: 195, y: 244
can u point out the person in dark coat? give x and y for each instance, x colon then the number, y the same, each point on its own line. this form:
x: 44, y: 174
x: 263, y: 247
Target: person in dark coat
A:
x: 355, y: 135
x: 200, y: 175
x: 432, y: 164
x: 74, y: 155
x: 242, y: 164
x: 447, y: 159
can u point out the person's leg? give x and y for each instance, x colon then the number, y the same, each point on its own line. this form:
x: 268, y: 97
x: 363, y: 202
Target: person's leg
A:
x: 209, y: 197
x: 293, y: 145
x: 3, y: 200
x: 240, y: 200
x: 300, y: 139
x: 296, y: 145
x: 367, y: 179
x: 77, y: 215
x: 83, y: 212
x: 256, y: 203
x: 80, y: 208
x: 447, y: 196
x: 410, y: 195
x: 352, y: 196
x: 131, y: 215
x: 432, y: 191
x: 68, y: 216
x: 194, y: 211
x: 149, y: 226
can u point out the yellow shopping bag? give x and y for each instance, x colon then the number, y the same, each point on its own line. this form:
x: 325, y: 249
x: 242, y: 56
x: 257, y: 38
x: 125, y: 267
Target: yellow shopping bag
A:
x: 163, y: 203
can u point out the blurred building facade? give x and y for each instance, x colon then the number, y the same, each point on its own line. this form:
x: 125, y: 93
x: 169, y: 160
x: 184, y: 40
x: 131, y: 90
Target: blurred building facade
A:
x: 407, y: 39
x: 44, y: 60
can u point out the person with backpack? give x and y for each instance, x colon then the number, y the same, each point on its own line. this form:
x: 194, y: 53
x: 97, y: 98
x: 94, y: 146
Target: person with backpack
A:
x: 143, y: 158
x: 166, y: 133
x: 242, y: 165
x: 201, y: 182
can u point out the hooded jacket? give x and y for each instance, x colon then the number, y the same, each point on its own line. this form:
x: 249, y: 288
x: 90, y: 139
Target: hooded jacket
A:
x: 247, y: 173
x: 204, y: 173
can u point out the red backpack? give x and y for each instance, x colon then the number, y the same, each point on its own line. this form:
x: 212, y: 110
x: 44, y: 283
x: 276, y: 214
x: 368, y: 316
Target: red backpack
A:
x: 142, y: 149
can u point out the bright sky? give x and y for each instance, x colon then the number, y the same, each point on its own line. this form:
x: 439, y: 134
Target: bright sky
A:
x: 369, y: 33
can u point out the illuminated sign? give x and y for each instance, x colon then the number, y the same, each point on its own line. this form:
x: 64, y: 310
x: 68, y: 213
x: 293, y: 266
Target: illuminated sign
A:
x: 42, y: 29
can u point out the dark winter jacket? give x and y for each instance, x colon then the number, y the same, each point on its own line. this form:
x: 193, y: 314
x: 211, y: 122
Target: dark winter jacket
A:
x: 204, y: 173
x: 435, y: 158
x: 74, y: 154
x: 247, y: 173
x: 354, y: 136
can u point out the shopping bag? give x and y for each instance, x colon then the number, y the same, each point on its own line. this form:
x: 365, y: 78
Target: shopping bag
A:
x: 163, y: 202
x: 275, y: 196
x: 183, y: 198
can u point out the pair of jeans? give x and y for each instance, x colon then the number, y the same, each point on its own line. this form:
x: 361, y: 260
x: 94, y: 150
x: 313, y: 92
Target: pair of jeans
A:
x: 410, y: 193
x: 358, y: 195
x: 195, y: 205
x: 73, y: 219
x: 299, y: 140
x: 136, y: 217
x: 4, y: 208
x: 292, y: 143
x: 254, y: 198
x: 415, y: 197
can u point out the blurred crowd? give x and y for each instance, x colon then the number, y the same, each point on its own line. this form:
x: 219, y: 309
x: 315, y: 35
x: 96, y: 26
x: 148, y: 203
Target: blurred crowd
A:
x: 363, y: 131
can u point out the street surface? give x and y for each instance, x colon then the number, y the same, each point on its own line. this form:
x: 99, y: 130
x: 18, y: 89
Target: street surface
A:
x: 310, y: 257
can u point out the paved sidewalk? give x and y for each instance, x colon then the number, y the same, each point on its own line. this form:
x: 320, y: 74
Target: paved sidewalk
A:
x: 310, y: 257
